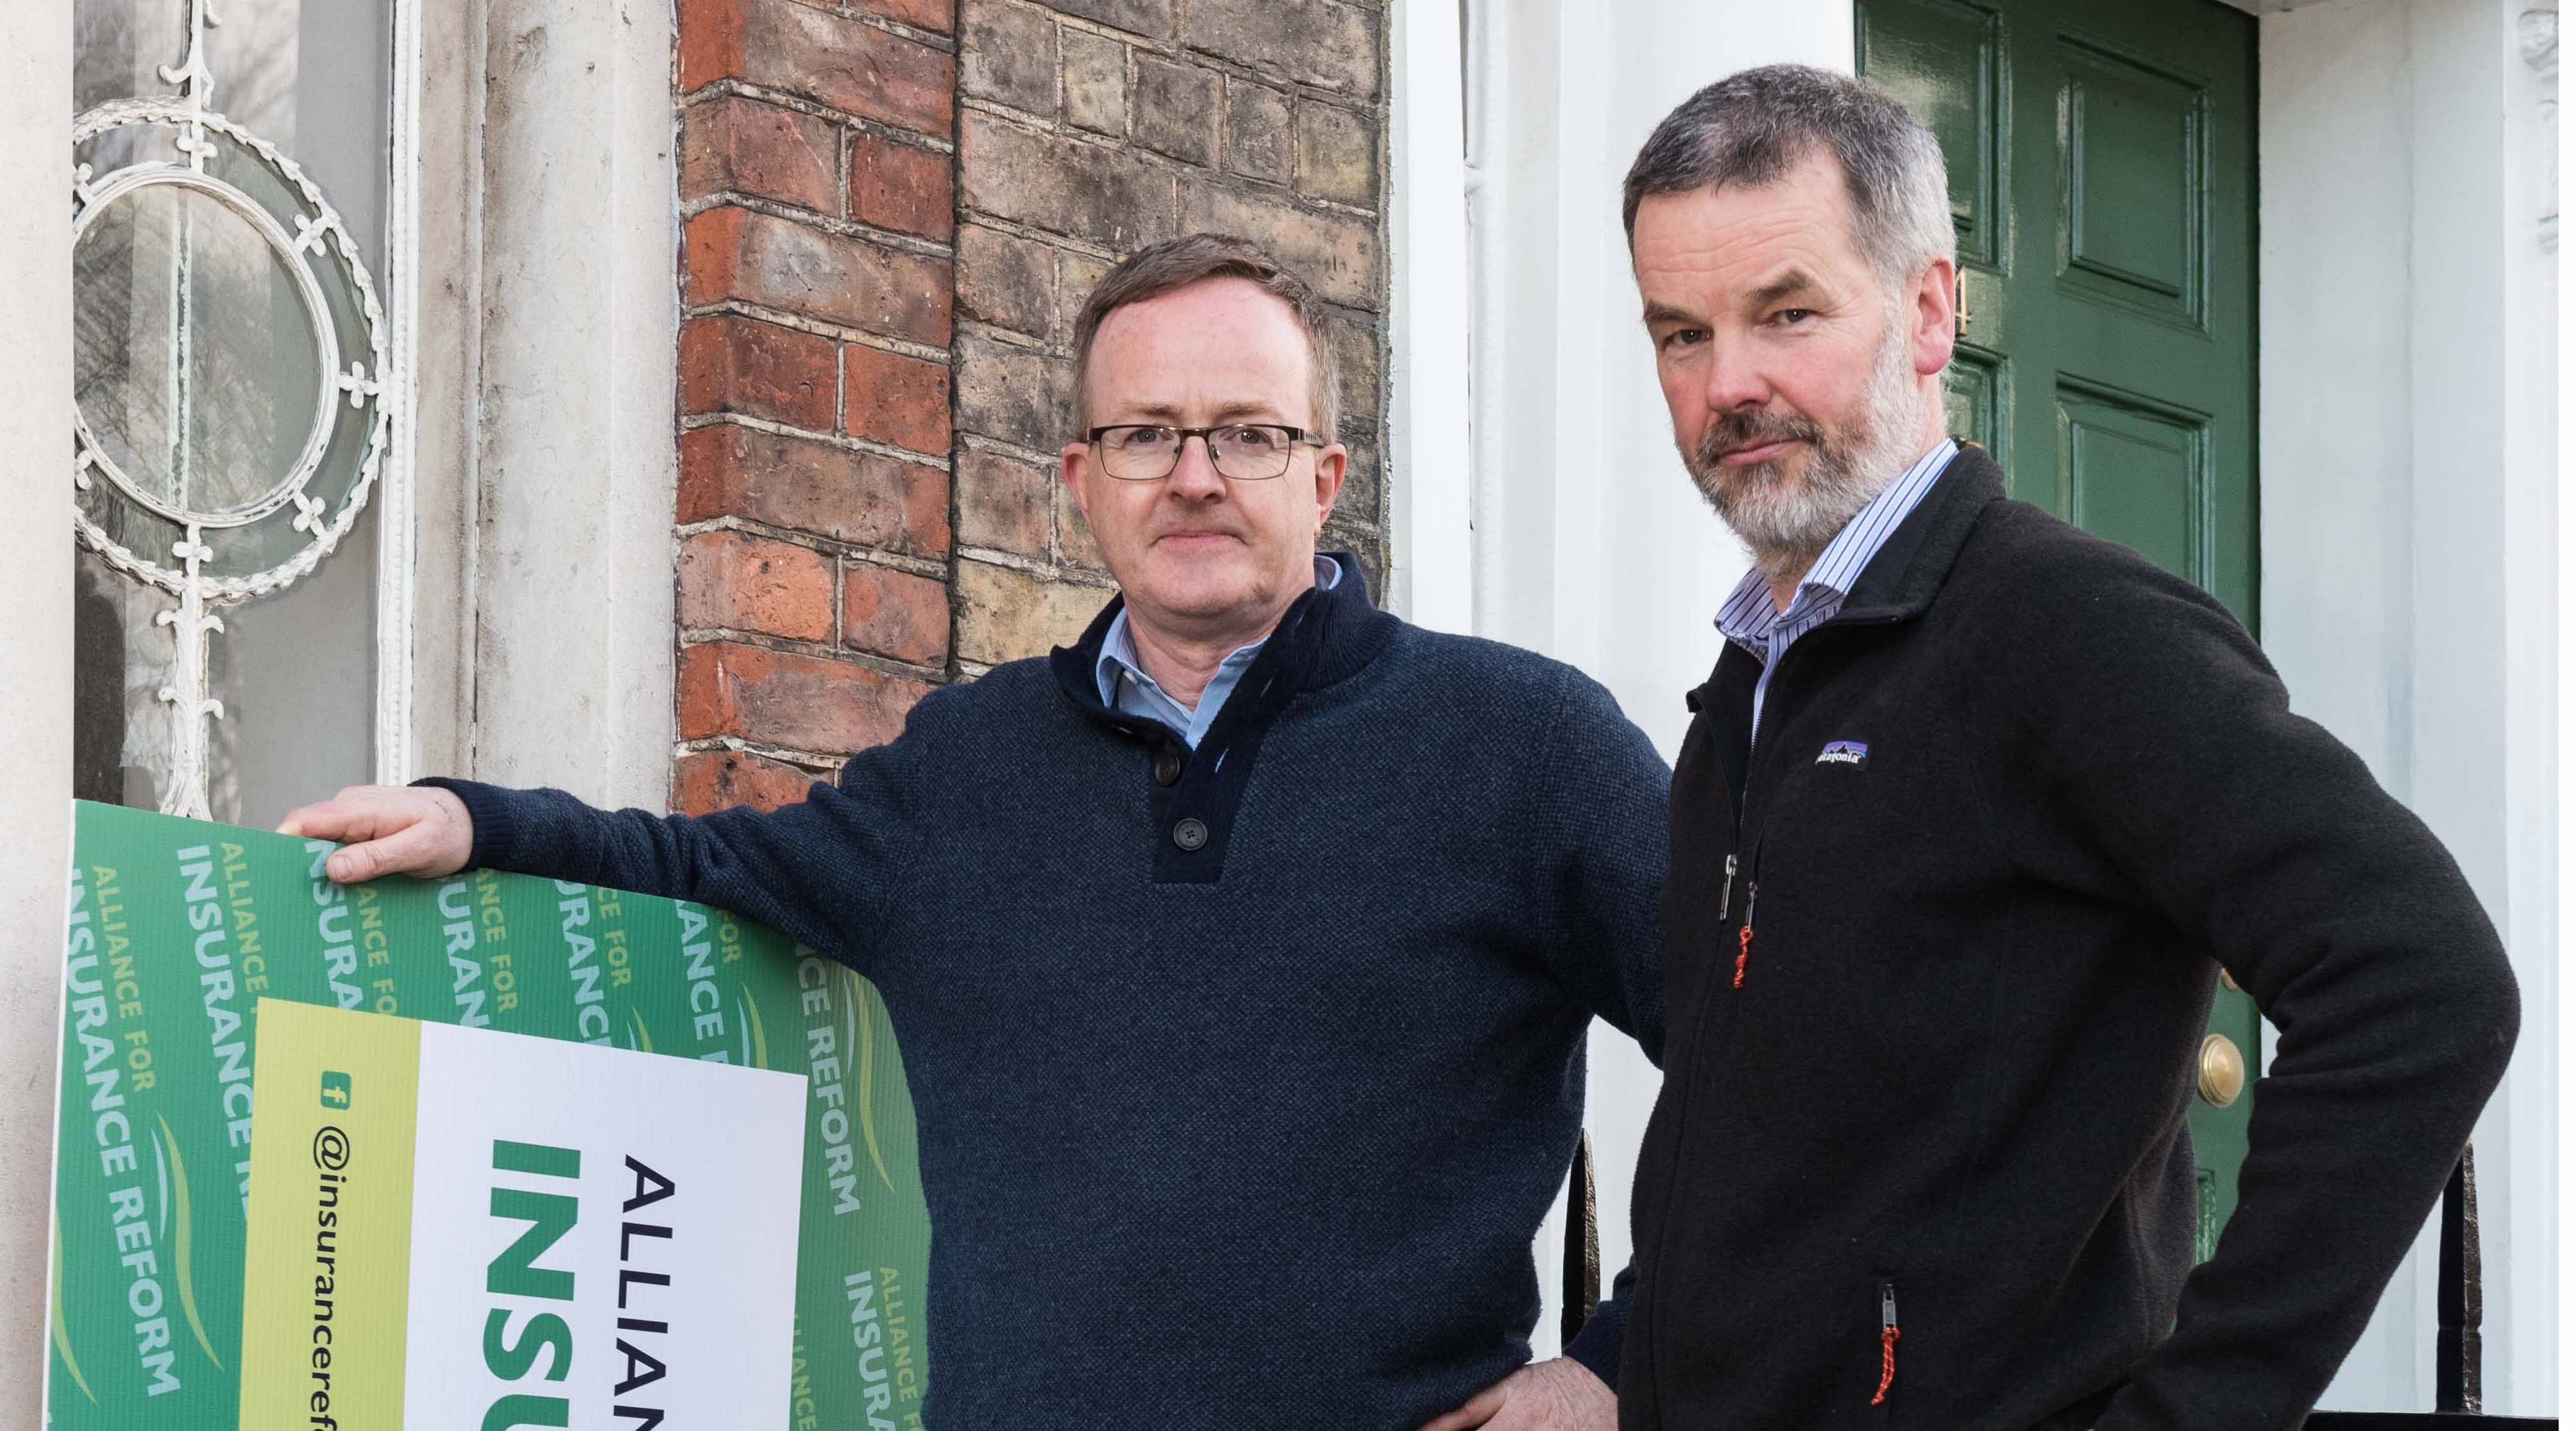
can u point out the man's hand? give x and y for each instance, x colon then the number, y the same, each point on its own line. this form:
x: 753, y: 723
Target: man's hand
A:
x: 1555, y: 1395
x: 389, y: 829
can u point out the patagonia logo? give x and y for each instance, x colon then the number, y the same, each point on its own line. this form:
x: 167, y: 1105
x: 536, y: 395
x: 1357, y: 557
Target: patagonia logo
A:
x: 1853, y: 753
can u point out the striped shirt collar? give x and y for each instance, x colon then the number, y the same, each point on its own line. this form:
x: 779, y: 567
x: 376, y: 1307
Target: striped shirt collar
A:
x: 1748, y: 617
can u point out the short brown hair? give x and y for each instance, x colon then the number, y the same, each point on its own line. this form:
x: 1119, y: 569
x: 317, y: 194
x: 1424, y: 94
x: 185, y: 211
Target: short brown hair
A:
x: 1174, y: 264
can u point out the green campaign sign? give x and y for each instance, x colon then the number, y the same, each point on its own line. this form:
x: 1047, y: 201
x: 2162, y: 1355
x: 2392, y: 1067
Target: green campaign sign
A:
x: 178, y: 929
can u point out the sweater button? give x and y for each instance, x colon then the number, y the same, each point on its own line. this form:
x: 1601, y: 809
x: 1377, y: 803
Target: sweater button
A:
x: 1191, y: 835
x: 1167, y: 766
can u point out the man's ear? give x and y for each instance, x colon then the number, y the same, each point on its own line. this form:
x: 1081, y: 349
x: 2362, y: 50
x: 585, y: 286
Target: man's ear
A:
x: 1332, y: 465
x: 1935, y: 331
x: 1075, y: 463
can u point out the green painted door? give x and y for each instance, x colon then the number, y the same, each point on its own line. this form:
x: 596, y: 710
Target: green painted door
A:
x: 2102, y: 178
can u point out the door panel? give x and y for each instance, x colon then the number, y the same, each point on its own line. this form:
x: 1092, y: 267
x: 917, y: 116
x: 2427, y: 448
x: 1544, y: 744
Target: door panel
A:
x: 2102, y: 179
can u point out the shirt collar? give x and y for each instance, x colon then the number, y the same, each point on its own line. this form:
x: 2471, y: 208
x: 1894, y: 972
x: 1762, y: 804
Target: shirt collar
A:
x: 1118, y: 648
x: 1748, y: 616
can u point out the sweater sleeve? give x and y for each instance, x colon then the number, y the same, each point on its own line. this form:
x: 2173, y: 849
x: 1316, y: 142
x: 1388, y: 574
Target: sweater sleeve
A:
x: 2153, y: 742
x: 820, y: 871
x: 1606, y: 808
x: 1603, y: 809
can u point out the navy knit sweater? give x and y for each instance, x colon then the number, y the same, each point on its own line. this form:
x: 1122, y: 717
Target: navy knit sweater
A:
x: 1242, y: 1090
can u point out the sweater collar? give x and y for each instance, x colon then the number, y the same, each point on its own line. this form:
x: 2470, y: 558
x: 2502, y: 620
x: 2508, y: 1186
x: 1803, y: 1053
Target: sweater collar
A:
x: 1901, y: 580
x: 1326, y: 636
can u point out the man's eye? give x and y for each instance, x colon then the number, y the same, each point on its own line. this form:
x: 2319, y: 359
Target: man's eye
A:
x: 1146, y: 438
x: 1251, y: 438
x: 1793, y: 315
x: 1684, y: 337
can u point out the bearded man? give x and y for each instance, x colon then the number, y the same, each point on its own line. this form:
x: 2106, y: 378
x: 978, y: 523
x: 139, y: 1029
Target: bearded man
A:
x: 1971, y: 814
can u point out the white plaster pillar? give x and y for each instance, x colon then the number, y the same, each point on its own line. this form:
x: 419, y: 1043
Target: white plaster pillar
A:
x: 35, y: 665
x: 577, y: 460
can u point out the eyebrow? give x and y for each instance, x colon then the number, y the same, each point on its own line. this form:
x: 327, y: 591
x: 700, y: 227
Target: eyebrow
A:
x: 1788, y: 285
x: 1170, y: 414
x: 1667, y: 313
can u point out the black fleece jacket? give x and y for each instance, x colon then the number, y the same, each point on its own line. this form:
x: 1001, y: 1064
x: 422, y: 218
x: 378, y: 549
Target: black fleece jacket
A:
x: 1943, y: 1083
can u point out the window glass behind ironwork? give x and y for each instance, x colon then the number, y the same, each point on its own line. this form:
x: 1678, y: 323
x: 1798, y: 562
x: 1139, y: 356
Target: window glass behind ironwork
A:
x: 230, y: 184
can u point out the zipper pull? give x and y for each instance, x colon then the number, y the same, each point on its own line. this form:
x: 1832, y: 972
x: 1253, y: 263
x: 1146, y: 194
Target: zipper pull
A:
x: 1726, y: 896
x: 1886, y: 1341
x: 1744, y: 936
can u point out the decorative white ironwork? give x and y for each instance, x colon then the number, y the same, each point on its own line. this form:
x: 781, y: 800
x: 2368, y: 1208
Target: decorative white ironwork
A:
x: 319, y: 248
x: 190, y: 625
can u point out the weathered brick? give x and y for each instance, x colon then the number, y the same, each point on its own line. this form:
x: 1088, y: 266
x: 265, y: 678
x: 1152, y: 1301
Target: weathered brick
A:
x: 1356, y: 343
x: 1073, y: 539
x: 1108, y: 196
x: 902, y: 186
x: 831, y: 59
x: 1005, y: 280
x: 889, y: 397
x: 1176, y: 110
x: 742, y: 582
x: 706, y: 781
x: 1010, y: 51
x: 730, y: 364
x: 894, y: 614
x: 1002, y: 503
x: 1335, y: 252
x: 1258, y: 137
x: 781, y: 698
x: 780, y: 263
x: 1003, y: 615
x: 939, y: 16
x: 1095, y: 83
x: 1370, y: 547
x: 1336, y: 154
x: 813, y: 486
x: 1075, y: 276
x: 1363, y: 496
x: 1141, y: 17
x: 742, y: 145
x: 1314, y: 42
x: 1021, y: 397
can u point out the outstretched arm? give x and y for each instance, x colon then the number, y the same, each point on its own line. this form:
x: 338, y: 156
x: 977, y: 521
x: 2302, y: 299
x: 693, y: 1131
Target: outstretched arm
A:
x: 815, y: 871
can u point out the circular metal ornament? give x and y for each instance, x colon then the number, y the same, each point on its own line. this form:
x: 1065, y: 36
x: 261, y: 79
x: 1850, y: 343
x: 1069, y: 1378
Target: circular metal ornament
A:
x: 346, y: 398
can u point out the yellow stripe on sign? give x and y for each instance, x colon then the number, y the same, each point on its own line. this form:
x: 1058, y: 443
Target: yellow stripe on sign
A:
x: 180, y: 1245
x: 327, y: 1282
x: 863, y: 1028
x: 63, y: 1334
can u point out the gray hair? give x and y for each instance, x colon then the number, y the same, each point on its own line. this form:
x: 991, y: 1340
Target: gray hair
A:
x: 1752, y: 127
x: 1173, y: 264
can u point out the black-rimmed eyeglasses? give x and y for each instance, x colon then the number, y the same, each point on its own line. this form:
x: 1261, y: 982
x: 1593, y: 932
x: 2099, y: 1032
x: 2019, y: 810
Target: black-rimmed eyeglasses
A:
x: 1244, y: 451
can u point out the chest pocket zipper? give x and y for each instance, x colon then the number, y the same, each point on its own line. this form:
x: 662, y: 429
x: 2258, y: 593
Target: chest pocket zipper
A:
x: 1887, y: 1335
x: 1744, y: 936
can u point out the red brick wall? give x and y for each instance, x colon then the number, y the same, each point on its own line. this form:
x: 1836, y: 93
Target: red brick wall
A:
x: 889, y: 220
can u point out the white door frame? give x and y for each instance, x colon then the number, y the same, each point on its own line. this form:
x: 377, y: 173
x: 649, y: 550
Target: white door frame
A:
x: 35, y: 667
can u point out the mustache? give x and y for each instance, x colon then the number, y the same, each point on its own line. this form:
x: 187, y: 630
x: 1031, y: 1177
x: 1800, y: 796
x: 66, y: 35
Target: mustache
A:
x: 1755, y: 429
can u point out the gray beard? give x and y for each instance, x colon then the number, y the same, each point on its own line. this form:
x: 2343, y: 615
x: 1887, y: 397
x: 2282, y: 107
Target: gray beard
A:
x: 1788, y: 521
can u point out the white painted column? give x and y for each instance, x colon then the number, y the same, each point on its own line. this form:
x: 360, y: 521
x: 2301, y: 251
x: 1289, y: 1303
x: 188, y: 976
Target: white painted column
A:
x: 578, y: 461
x: 1428, y: 464
x: 2410, y: 585
x: 35, y: 667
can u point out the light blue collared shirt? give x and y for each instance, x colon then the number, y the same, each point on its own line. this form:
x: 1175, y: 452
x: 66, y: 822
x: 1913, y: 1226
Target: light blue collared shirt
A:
x: 1750, y: 620
x: 1126, y: 688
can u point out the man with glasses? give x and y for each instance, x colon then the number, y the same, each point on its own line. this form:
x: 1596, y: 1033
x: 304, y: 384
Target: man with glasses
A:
x: 1242, y: 953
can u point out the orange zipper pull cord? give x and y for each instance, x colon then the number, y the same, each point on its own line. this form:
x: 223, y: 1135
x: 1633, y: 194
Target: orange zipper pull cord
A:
x: 1887, y: 1335
x: 1744, y: 936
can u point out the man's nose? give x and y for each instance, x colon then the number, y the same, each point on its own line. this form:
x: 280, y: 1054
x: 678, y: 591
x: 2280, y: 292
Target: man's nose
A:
x: 1194, y: 474
x: 1732, y: 380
